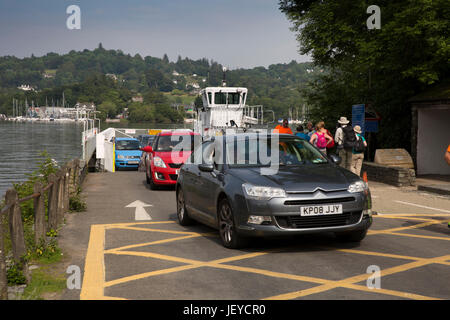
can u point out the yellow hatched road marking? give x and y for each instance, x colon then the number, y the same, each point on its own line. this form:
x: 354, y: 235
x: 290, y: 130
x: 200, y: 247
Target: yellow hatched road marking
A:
x: 379, y: 254
x: 418, y: 236
x: 94, y: 273
x: 404, y: 218
x: 416, y: 226
x: 191, y: 264
x: 355, y: 279
x: 133, y: 246
x: 94, y: 276
x: 413, y: 215
x: 159, y: 230
x: 130, y: 224
x: 151, y: 274
x: 389, y: 292
x: 155, y: 256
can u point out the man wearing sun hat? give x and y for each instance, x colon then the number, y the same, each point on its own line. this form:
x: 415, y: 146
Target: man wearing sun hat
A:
x: 358, y: 151
x: 345, y: 154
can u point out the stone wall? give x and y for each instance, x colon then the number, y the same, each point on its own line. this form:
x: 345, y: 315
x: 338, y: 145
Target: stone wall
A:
x: 396, y: 176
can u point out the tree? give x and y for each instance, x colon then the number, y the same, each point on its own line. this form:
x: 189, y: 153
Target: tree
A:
x: 382, y: 67
x: 165, y: 59
x: 108, y: 109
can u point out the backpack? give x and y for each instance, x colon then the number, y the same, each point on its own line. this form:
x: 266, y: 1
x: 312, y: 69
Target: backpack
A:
x: 349, y: 137
x: 359, y: 146
x: 321, y: 141
x: 331, y: 144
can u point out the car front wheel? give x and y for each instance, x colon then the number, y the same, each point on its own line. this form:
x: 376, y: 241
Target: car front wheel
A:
x: 182, y: 214
x: 152, y: 184
x: 146, y: 176
x: 230, y: 238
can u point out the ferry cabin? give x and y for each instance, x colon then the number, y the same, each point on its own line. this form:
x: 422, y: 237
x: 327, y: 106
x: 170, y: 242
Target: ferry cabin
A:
x: 224, y: 108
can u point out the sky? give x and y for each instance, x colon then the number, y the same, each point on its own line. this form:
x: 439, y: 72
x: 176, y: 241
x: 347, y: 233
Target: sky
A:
x: 235, y: 33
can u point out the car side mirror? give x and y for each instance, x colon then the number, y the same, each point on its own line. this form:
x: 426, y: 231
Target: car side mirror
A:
x: 206, y: 167
x: 336, y: 159
x: 147, y: 149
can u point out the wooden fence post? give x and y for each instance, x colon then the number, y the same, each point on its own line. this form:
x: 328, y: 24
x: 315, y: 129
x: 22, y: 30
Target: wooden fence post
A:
x: 61, y: 197
x: 71, y: 166
x: 39, y: 214
x: 3, y: 279
x: 67, y: 187
x: 15, y: 225
x: 53, y: 202
x: 76, y: 174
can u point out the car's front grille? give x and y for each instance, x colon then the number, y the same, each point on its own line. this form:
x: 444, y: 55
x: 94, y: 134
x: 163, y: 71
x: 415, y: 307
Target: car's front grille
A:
x: 318, y: 201
x: 175, y: 165
x: 323, y: 221
x: 173, y: 177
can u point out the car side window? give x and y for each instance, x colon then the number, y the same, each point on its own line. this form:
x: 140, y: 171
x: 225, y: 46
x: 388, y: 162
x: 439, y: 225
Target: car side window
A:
x: 155, y: 143
x: 199, y: 154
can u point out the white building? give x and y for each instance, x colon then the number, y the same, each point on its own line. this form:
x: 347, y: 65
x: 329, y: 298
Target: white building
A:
x: 26, y: 87
x: 430, y: 134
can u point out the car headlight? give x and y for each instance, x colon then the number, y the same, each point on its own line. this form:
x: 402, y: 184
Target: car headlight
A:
x: 120, y: 156
x: 158, y: 162
x: 358, y: 186
x: 262, y: 193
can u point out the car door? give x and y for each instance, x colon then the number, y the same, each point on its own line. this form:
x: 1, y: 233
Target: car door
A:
x: 209, y: 186
x: 191, y: 181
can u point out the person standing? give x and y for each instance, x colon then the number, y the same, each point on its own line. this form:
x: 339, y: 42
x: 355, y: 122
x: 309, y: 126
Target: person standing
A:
x: 344, y: 151
x: 300, y: 133
x: 358, y: 151
x: 310, y: 128
x: 283, y: 128
x: 321, y: 138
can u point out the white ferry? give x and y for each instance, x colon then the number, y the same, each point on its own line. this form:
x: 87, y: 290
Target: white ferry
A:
x: 225, y: 111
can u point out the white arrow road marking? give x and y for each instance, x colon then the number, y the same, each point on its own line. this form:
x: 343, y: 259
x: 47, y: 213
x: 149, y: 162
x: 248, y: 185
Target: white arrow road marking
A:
x: 140, y: 213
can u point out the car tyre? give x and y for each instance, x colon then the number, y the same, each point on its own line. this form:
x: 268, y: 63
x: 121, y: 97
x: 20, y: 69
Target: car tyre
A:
x: 182, y: 214
x: 146, y: 177
x: 227, y: 227
x: 352, y: 236
x: 152, y: 184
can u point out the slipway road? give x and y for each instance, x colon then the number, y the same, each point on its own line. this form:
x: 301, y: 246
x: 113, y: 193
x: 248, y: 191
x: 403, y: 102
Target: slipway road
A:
x: 129, y: 245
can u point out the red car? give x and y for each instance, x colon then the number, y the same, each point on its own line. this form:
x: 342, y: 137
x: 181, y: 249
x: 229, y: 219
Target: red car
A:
x: 169, y: 152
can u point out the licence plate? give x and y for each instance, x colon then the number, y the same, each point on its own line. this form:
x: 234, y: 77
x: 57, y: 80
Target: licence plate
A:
x: 321, y: 210
x: 133, y: 162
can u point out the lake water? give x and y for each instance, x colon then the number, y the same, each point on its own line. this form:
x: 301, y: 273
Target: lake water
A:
x: 22, y: 143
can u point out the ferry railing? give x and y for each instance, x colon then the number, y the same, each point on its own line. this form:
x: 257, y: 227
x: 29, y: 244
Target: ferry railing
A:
x: 59, y: 189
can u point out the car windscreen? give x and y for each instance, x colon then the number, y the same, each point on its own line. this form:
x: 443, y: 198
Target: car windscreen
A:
x: 264, y: 152
x: 145, y: 140
x: 177, y: 143
x: 127, y: 145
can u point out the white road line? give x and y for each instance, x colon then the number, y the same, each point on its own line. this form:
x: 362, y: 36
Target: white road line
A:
x: 420, y: 206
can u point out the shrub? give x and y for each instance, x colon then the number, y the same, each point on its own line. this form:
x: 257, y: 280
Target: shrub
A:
x: 15, y: 275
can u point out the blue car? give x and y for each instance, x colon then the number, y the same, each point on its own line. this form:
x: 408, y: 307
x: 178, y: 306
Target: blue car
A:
x: 128, y: 153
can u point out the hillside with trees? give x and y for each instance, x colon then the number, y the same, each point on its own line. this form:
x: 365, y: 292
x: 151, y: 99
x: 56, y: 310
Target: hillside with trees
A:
x: 110, y: 78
